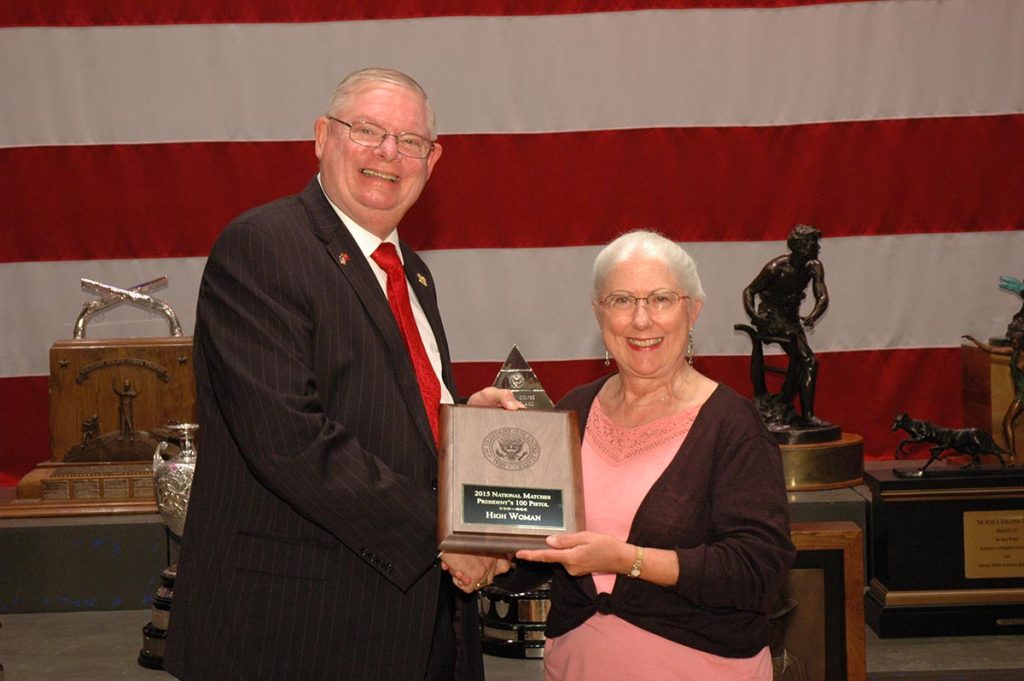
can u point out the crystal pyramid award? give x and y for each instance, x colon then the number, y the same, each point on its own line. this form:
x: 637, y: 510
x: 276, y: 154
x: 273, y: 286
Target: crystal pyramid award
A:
x: 516, y: 375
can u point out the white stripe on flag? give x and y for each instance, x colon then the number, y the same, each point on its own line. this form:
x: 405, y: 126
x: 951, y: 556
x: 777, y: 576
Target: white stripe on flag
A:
x: 886, y: 292
x: 836, y: 62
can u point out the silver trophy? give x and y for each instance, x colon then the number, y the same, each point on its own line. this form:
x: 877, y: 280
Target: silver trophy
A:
x: 172, y: 476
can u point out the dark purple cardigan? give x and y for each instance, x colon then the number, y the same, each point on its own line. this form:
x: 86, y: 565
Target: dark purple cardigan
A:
x: 721, y: 504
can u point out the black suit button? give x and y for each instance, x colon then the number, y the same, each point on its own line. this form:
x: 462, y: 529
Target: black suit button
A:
x: 433, y: 484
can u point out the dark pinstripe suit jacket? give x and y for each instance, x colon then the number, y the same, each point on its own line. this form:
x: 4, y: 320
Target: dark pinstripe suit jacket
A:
x: 309, y: 550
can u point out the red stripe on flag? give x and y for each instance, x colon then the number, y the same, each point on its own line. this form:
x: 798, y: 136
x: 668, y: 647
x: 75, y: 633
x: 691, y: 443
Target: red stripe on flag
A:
x: 139, y: 201
x: 542, y: 190
x: 24, y: 420
x: 132, y: 12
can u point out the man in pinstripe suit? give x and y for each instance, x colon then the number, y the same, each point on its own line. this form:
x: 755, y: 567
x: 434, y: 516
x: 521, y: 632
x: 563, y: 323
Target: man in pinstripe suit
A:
x: 310, y: 547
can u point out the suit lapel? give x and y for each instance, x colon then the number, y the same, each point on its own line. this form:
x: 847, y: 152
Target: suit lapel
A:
x: 356, y: 270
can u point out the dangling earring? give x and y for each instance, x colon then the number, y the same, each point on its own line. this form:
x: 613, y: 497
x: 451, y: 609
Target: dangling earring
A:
x: 689, y: 349
x: 607, y: 358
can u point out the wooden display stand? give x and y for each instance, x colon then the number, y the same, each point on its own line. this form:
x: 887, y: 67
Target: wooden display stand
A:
x: 826, y: 629
x: 109, y: 401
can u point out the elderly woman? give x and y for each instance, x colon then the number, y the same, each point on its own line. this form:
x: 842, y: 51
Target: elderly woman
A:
x: 687, y: 545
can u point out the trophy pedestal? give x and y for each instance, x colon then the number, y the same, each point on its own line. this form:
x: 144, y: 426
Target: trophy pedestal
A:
x: 824, y: 465
x: 947, y: 553
x: 512, y: 624
x: 154, y: 634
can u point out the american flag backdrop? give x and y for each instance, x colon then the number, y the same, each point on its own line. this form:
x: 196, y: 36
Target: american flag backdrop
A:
x: 132, y: 132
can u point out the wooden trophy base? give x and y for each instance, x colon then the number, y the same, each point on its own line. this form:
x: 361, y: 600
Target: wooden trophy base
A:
x: 947, y: 553
x: 109, y: 401
x: 910, y: 614
x: 74, y: 489
x: 824, y: 465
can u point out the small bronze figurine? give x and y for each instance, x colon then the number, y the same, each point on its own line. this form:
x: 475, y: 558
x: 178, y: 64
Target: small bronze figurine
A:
x: 124, y: 409
x: 779, y: 291
x: 970, y: 441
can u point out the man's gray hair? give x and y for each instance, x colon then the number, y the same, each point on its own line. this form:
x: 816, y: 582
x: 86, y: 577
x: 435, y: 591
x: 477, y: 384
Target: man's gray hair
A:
x: 653, y: 245
x: 353, y: 81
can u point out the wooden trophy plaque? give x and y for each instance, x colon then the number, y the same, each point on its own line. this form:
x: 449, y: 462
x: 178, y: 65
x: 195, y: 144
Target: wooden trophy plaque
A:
x: 110, y: 403
x: 507, y: 479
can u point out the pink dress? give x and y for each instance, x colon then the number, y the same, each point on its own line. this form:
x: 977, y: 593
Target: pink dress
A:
x: 619, y: 466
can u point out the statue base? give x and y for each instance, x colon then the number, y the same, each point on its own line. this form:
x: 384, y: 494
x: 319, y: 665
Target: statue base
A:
x: 824, y: 465
x: 805, y: 435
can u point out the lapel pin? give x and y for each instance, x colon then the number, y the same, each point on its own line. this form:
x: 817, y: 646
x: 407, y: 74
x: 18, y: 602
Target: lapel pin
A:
x: 343, y: 258
x: 420, y: 278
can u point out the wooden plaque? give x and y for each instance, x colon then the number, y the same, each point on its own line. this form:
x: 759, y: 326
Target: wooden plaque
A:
x: 110, y: 403
x: 86, y: 377
x: 507, y: 479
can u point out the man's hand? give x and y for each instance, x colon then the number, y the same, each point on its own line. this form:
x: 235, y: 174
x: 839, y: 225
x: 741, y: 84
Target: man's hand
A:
x: 495, y: 397
x: 471, y: 571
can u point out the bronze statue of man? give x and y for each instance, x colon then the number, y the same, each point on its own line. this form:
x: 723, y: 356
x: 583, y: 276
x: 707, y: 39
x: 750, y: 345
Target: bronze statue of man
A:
x: 124, y: 409
x: 779, y: 289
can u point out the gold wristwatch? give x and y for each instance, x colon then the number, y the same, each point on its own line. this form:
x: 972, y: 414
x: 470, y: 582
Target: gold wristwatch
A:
x: 638, y: 564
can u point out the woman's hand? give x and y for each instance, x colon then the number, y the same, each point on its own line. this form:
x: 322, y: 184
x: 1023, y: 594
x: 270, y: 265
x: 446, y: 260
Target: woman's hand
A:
x: 584, y: 552
x: 495, y: 397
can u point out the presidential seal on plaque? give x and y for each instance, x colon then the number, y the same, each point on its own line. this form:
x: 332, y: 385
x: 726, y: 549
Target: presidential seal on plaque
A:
x: 508, y: 479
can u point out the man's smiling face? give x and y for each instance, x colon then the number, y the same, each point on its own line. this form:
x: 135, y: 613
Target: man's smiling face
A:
x: 375, y: 186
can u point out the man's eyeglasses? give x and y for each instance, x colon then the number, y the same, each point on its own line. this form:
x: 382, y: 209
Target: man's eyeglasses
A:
x: 371, y: 135
x: 658, y: 302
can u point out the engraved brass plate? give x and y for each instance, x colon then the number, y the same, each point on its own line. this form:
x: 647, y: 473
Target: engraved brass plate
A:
x: 993, y: 544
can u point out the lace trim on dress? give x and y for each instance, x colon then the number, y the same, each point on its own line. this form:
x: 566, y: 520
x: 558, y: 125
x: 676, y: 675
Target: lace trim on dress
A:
x: 618, y: 444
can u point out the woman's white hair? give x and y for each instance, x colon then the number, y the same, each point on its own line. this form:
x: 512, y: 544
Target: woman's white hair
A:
x: 347, y: 87
x: 652, y: 245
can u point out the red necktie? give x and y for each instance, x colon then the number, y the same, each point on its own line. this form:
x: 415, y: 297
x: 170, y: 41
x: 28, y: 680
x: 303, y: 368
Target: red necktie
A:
x: 398, y: 297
